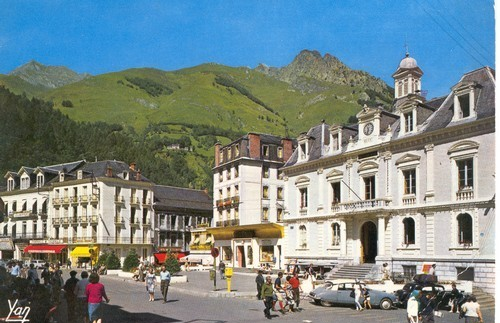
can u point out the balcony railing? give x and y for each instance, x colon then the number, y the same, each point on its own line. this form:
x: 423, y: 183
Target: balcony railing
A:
x: 228, y: 223
x: 119, y: 199
x: 146, y: 202
x: 23, y: 215
x: 409, y: 200
x: 360, y: 205
x: 93, y: 219
x: 200, y: 247
x: 465, y: 194
x: 134, y: 200
x: 73, y: 200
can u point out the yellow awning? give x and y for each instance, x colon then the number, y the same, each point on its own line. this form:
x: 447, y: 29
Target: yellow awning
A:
x: 83, y: 252
x: 262, y: 230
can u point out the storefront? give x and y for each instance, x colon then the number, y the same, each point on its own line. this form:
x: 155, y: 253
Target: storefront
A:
x: 6, y: 248
x: 250, y: 246
x: 82, y: 256
x: 48, y: 252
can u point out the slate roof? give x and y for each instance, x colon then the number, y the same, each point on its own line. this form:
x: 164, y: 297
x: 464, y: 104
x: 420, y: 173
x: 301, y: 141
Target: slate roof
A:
x: 169, y: 197
x: 440, y: 110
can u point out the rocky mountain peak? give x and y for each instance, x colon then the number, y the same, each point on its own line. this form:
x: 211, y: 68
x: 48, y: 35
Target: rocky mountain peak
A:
x: 47, y: 76
x: 310, y: 64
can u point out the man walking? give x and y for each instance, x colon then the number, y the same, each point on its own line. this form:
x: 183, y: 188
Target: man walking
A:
x: 267, y: 294
x: 164, y: 282
x: 259, y: 280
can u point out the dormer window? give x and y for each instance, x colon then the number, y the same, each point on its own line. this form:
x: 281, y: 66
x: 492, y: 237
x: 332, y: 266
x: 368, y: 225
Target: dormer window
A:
x: 464, y: 101
x: 40, y: 180
x: 61, y: 177
x: 79, y: 174
x: 25, y: 182
x: 303, y: 151
x: 280, y: 152
x: 265, y: 151
x: 409, y: 121
x: 10, y: 184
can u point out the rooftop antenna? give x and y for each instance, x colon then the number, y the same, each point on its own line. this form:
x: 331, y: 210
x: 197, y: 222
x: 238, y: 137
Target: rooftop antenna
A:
x: 407, y: 53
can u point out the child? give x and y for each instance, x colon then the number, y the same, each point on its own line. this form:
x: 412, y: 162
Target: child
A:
x: 366, y: 302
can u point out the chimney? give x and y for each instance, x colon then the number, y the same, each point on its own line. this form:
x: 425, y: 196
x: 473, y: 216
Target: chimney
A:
x: 287, y: 148
x: 138, y: 175
x: 217, y: 154
x: 109, y: 171
x: 254, y: 145
x: 132, y: 166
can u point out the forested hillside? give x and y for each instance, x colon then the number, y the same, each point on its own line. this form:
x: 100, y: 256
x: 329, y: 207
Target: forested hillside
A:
x: 33, y: 134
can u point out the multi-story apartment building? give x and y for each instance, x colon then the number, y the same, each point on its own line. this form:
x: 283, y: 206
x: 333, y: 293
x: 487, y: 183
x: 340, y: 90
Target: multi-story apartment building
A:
x: 248, y: 199
x: 180, y: 212
x: 77, y: 210
x: 405, y: 187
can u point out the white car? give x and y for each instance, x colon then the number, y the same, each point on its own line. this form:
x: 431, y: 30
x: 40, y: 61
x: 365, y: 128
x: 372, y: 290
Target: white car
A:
x: 38, y: 263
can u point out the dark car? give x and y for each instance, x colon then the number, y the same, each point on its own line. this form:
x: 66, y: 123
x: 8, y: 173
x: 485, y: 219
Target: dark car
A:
x: 442, y: 296
x: 329, y: 294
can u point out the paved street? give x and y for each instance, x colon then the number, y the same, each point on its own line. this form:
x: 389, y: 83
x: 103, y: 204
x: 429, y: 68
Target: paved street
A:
x: 195, y: 301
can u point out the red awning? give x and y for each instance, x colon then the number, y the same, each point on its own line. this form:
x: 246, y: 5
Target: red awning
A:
x: 47, y: 248
x: 160, y: 257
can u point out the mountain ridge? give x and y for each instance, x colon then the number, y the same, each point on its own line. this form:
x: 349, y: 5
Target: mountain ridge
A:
x: 47, y: 76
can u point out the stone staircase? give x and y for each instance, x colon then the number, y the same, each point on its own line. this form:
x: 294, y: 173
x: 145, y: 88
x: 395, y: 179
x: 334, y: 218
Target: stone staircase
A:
x: 484, y: 299
x: 352, y: 272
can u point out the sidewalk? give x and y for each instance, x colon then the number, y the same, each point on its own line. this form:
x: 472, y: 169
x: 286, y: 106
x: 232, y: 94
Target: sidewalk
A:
x: 199, y: 284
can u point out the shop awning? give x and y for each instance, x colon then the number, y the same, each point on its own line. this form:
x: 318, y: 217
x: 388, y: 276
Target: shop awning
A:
x: 47, y: 248
x: 6, y: 245
x: 261, y: 230
x: 160, y: 257
x: 83, y: 252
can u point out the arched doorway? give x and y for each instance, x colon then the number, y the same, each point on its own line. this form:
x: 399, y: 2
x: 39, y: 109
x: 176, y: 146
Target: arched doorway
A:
x: 368, y: 237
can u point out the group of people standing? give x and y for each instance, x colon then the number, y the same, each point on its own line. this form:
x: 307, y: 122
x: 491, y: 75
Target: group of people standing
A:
x: 421, y: 308
x: 42, y: 292
x: 284, y: 292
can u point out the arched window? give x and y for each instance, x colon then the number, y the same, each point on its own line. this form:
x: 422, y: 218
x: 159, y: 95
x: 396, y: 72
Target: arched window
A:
x: 409, y: 231
x: 464, y: 229
x: 335, y: 234
x: 302, y: 237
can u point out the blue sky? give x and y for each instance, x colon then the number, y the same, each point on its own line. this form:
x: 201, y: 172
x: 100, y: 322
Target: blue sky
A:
x: 446, y: 37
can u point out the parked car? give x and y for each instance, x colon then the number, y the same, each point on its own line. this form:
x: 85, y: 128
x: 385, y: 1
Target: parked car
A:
x: 330, y: 294
x: 38, y: 263
x: 442, y: 296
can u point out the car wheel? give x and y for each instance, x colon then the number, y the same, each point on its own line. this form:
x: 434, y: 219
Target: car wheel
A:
x: 386, y: 304
x: 326, y: 303
x: 317, y: 302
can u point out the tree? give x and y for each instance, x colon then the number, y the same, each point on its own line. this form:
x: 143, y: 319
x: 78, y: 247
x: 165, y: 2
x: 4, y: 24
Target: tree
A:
x: 113, y: 262
x: 172, y: 264
x: 102, y: 258
x: 131, y: 261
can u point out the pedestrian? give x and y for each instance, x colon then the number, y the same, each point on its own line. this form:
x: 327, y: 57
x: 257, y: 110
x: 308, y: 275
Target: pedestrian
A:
x: 472, y: 310
x: 385, y: 271
x: 413, y: 306
x: 357, y: 296
x: 267, y: 294
x: 164, y: 282
x: 69, y: 289
x: 32, y: 274
x: 259, y: 280
x: 427, y: 305
x: 95, y: 293
x: 141, y: 271
x: 455, y: 297
x: 57, y: 283
x: 45, y: 274
x: 295, y: 283
x: 222, y: 269
x: 16, y: 270
x: 432, y: 270
x: 278, y: 290
x: 150, y: 284
x: 82, y: 310
x: 68, y: 263
x: 366, y: 296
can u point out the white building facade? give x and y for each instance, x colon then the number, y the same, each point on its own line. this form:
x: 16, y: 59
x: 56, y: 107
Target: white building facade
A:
x: 407, y: 187
x: 76, y: 211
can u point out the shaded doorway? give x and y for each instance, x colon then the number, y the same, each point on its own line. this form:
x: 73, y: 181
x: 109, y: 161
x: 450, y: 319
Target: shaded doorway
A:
x: 241, y: 256
x: 368, y: 242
